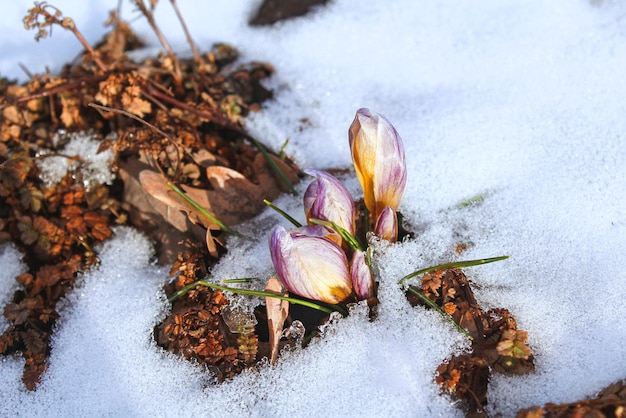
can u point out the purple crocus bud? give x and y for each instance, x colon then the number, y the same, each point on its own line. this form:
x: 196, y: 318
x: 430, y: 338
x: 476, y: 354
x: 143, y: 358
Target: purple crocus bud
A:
x: 312, y: 267
x: 327, y: 199
x: 378, y: 156
x: 362, y: 279
x: 387, y: 224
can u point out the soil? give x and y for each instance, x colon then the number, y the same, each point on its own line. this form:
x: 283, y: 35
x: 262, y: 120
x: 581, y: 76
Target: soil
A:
x: 173, y: 122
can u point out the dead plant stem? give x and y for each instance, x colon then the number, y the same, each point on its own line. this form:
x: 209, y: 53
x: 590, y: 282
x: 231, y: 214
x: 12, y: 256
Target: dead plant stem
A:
x: 178, y: 77
x: 192, y: 44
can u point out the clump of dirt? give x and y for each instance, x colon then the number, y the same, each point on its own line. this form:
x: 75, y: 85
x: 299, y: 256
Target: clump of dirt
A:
x: 497, y: 345
x: 609, y: 403
x: 273, y: 11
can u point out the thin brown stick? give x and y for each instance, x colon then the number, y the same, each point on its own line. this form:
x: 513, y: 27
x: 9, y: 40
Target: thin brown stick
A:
x: 178, y: 78
x: 92, y: 52
x: 26, y: 71
x: 53, y: 113
x: 130, y: 115
x: 65, y: 23
x: 154, y: 100
x: 54, y: 90
x: 210, y: 116
x: 192, y: 44
x: 146, y: 123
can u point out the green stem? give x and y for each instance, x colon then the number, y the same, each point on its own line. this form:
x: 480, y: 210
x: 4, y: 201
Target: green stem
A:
x: 283, y: 149
x: 472, y: 200
x: 436, y: 307
x: 274, y: 166
x: 453, y: 264
x: 239, y: 280
x: 345, y: 234
x: 202, y: 210
x: 283, y: 213
x: 260, y: 293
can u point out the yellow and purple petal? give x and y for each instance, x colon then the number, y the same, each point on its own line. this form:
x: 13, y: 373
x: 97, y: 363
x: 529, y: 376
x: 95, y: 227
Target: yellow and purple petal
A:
x: 387, y: 224
x: 327, y: 199
x: 362, y: 279
x: 317, y: 231
x: 379, y: 160
x: 310, y: 266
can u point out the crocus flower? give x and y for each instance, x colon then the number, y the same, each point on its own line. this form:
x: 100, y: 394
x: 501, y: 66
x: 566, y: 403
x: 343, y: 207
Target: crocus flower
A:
x: 310, y: 266
x: 327, y: 199
x: 362, y: 279
x: 378, y: 156
x: 387, y: 224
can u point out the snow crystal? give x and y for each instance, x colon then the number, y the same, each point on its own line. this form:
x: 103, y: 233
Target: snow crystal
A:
x: 12, y: 266
x: 80, y: 156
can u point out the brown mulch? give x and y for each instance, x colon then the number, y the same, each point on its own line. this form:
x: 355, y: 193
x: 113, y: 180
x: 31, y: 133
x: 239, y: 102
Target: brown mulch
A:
x: 609, y: 403
x: 497, y: 345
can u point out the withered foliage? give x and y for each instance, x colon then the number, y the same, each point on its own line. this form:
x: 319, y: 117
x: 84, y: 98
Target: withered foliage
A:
x: 56, y: 226
x: 610, y: 403
x: 196, y: 330
x: 497, y: 345
x: 190, y: 133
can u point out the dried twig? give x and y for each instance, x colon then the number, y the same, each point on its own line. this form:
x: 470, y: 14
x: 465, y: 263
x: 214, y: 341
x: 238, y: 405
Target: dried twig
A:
x: 31, y: 21
x: 192, y: 44
x: 178, y: 77
x: 148, y: 124
x: 54, y: 90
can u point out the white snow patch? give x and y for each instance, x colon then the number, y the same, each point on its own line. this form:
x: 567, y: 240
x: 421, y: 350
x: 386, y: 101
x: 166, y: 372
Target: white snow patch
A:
x: 81, y: 157
x: 12, y: 266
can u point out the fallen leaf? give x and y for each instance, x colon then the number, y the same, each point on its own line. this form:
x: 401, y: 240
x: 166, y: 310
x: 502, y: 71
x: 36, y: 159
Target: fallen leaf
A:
x: 277, y: 311
x: 18, y: 313
x: 431, y: 282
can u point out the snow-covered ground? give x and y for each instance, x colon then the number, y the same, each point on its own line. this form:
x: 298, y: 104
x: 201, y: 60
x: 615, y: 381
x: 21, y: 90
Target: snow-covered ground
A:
x: 520, y: 100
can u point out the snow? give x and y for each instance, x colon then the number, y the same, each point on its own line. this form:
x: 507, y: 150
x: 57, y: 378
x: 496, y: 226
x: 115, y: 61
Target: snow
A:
x: 80, y: 149
x: 521, y: 101
x: 12, y: 266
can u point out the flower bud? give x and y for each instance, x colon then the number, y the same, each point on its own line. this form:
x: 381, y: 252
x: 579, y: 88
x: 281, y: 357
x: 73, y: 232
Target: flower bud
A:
x: 327, y: 199
x: 310, y: 266
x: 387, y: 225
x: 378, y: 156
x: 362, y: 279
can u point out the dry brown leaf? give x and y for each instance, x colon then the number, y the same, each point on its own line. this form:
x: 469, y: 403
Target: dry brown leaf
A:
x: 277, y: 311
x: 13, y: 115
x: 71, y: 111
x: 168, y: 226
x: 431, y: 282
x: 157, y: 186
x: 235, y: 198
x: 136, y: 105
x: 210, y: 243
x: 108, y: 90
